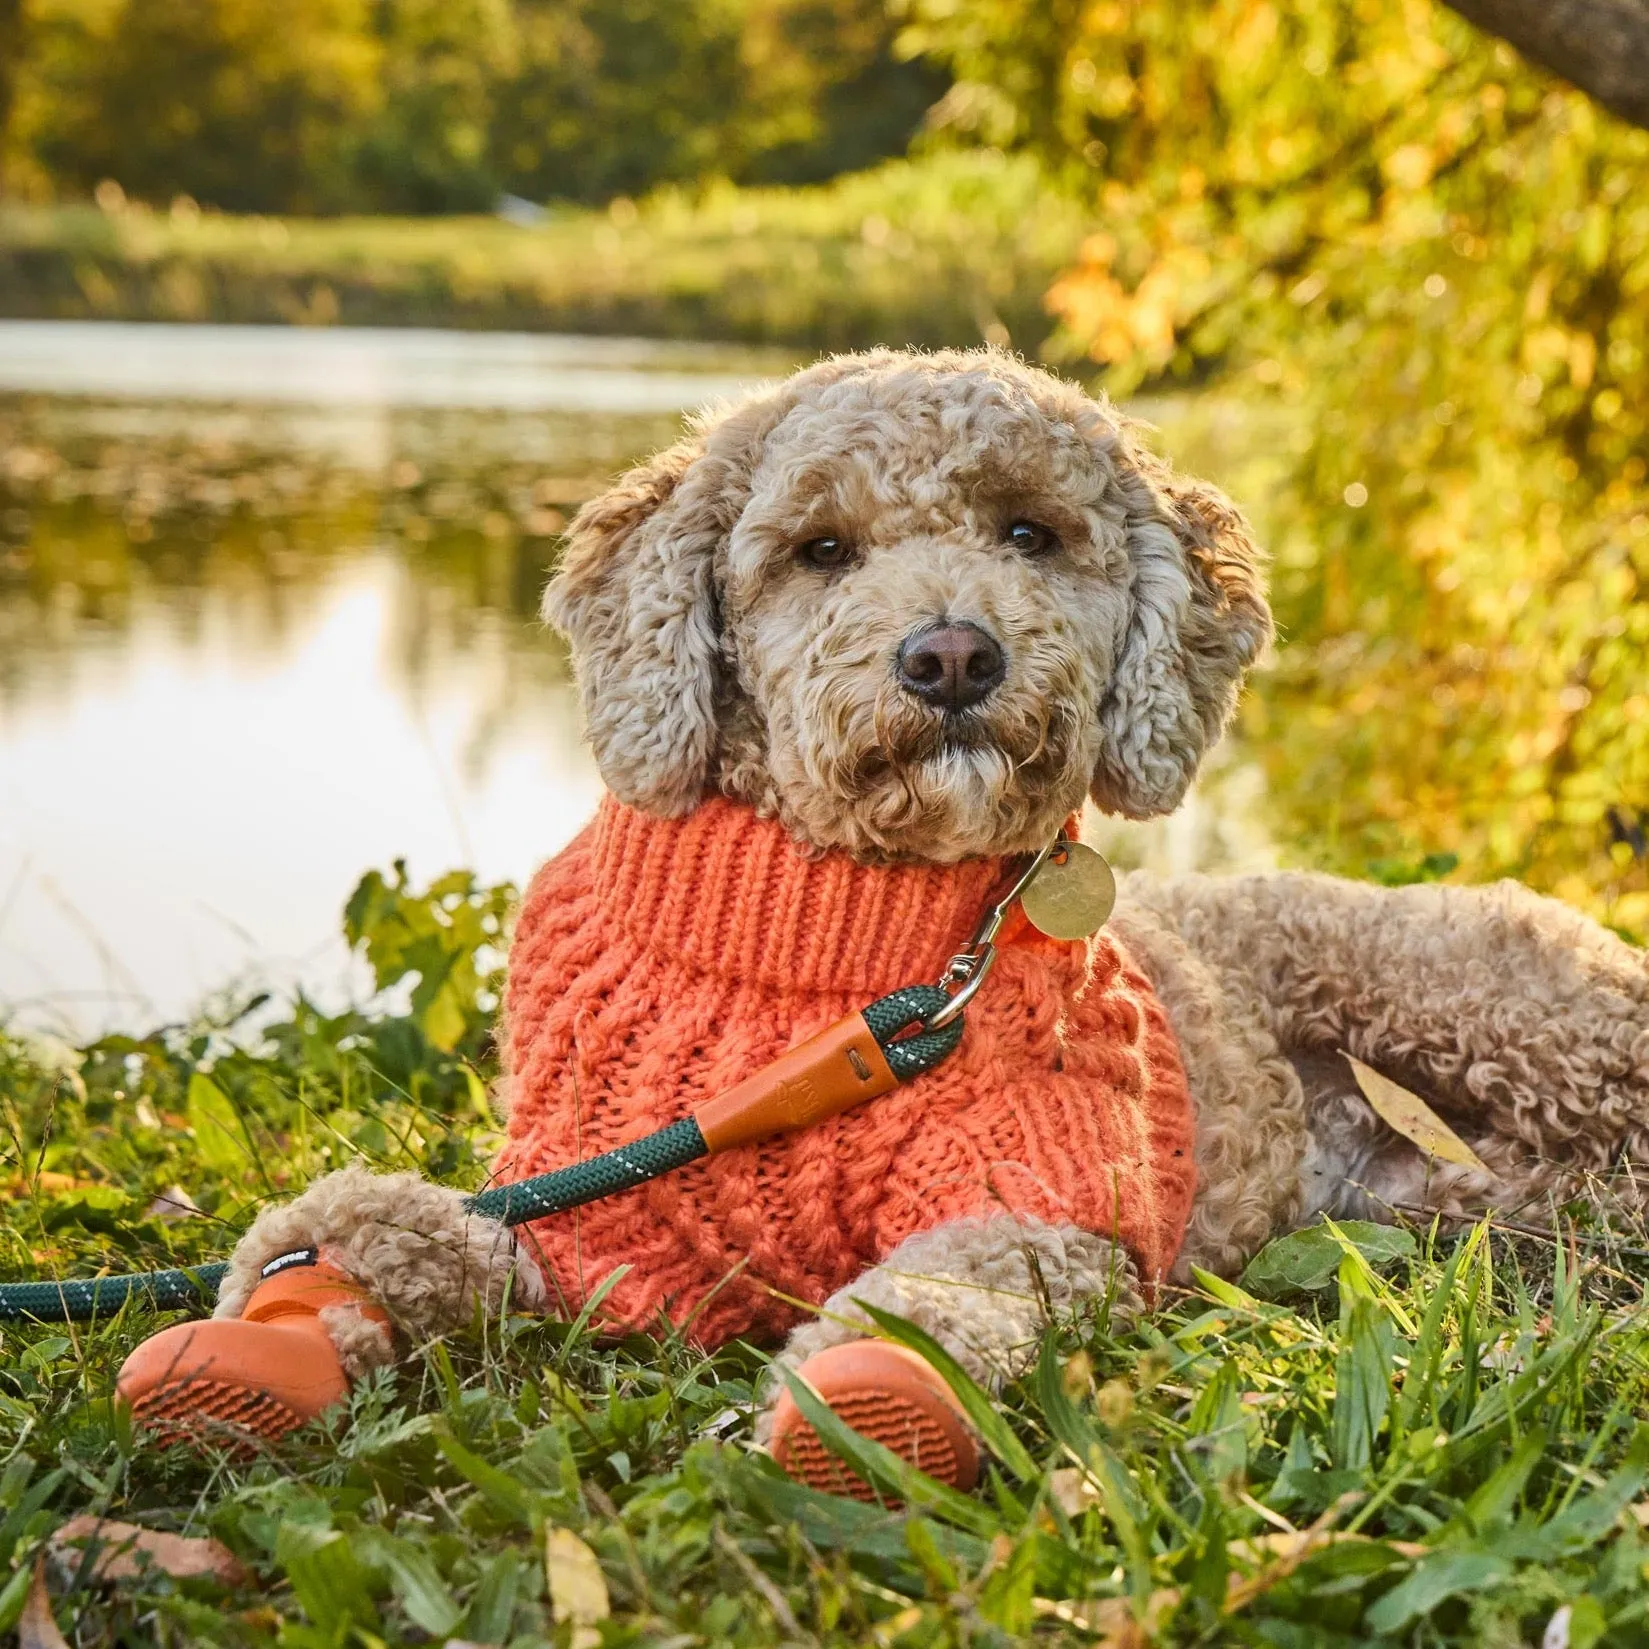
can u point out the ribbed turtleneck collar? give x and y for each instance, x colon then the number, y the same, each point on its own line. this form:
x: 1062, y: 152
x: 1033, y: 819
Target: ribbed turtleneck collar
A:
x: 735, y: 894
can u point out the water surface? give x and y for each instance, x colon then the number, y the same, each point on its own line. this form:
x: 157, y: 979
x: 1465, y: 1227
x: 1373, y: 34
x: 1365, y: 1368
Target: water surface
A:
x: 267, y: 607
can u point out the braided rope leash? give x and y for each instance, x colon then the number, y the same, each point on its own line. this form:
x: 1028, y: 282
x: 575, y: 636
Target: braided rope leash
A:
x: 859, y: 1058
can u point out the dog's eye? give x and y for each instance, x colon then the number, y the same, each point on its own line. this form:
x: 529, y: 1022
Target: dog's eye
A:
x: 826, y: 554
x: 1032, y: 538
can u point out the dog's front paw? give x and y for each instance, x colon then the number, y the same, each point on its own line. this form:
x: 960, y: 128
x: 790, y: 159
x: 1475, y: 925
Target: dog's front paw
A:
x: 413, y: 1246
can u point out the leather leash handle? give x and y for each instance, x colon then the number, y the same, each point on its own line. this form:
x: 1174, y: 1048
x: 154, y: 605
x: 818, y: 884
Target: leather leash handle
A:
x: 829, y: 1073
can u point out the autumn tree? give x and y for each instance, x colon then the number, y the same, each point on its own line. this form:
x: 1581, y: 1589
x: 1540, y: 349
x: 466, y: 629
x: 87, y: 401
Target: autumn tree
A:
x: 1420, y: 267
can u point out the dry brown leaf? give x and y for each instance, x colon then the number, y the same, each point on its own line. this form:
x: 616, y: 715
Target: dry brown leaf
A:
x: 895, y: 1626
x: 578, y: 1589
x: 37, y: 1626
x: 123, y: 1551
x: 51, y: 1184
x: 1413, y: 1118
x: 1112, y: 1619
x: 1073, y: 1491
x: 173, y: 1205
x: 1288, y: 1545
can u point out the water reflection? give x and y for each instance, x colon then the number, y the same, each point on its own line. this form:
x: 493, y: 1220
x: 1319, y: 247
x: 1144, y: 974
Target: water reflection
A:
x: 249, y: 649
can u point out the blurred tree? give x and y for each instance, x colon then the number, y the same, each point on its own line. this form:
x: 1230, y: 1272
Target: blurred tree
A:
x: 428, y: 149
x: 420, y: 106
x: 1425, y: 267
x: 829, y: 91
x: 11, y: 58
x: 241, y: 104
x: 612, y: 96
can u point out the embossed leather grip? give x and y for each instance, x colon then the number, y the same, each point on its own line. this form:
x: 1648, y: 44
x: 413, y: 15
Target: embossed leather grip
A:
x: 827, y: 1074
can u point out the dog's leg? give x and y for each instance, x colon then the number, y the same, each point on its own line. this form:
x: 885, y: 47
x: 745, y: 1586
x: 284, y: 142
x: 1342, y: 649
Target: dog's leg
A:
x: 410, y: 1245
x: 1251, y: 1129
x: 1523, y: 1022
x: 983, y: 1288
x: 312, y: 1299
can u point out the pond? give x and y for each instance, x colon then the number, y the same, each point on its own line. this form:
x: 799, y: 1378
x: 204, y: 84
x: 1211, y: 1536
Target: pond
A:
x: 267, y: 619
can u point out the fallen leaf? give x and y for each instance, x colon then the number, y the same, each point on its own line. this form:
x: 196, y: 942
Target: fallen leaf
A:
x: 1413, y: 1118
x: 1303, y: 1542
x: 123, y: 1551
x: 37, y: 1627
x: 1073, y: 1491
x: 50, y: 1183
x: 172, y: 1206
x: 578, y: 1589
x: 895, y: 1626
x: 1112, y: 1619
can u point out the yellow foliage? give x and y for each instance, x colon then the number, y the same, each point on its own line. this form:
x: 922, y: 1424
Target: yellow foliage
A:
x: 1421, y: 268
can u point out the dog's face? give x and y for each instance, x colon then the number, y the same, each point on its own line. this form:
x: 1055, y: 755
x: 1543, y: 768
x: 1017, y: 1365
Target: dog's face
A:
x: 917, y: 605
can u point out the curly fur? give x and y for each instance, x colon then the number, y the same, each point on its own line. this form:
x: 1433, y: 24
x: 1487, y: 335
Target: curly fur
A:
x: 1523, y: 1022
x: 1251, y: 1120
x: 711, y: 657
x: 411, y: 1245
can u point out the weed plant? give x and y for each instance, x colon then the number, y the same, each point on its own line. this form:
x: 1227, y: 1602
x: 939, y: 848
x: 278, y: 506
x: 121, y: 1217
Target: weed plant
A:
x: 1379, y: 1436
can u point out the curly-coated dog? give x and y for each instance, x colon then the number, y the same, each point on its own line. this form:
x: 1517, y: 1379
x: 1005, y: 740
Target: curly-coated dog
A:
x: 844, y: 651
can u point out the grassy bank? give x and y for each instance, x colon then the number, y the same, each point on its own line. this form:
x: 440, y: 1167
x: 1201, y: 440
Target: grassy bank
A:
x: 944, y: 251
x: 1420, y: 1439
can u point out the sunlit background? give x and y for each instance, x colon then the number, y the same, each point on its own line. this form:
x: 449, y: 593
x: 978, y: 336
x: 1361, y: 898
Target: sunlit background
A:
x: 325, y: 318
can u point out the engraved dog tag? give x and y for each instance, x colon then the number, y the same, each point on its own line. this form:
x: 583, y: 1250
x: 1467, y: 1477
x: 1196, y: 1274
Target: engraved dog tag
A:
x: 1072, y: 894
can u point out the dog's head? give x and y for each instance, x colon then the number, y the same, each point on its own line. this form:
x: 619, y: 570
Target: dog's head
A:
x: 915, y: 604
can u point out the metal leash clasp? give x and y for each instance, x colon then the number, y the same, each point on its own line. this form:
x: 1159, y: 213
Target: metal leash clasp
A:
x: 966, y: 971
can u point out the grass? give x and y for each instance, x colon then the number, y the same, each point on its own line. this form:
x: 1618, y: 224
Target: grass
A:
x: 1382, y: 1437
x: 941, y: 251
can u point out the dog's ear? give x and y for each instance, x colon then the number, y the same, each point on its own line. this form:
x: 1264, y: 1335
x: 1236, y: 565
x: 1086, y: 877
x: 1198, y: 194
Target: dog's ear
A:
x: 633, y: 597
x: 636, y: 598
x: 1198, y: 620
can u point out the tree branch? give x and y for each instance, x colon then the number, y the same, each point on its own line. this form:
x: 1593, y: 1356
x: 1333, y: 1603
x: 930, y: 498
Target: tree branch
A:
x: 1601, y: 46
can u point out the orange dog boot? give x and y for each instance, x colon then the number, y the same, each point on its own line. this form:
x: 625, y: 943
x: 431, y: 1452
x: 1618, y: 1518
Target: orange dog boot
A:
x: 238, y: 1381
x: 886, y: 1393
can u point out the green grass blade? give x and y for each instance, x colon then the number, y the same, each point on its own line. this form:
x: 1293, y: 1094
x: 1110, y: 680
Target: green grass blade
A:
x: 885, y: 1471
x: 997, y: 1435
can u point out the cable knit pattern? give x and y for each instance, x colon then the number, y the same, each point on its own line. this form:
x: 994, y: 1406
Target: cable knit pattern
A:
x: 659, y: 961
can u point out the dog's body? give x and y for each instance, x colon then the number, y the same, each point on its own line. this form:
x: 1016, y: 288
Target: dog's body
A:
x: 916, y: 608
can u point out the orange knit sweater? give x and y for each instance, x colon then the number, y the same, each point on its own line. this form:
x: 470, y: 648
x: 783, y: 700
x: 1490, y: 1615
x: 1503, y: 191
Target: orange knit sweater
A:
x: 658, y: 962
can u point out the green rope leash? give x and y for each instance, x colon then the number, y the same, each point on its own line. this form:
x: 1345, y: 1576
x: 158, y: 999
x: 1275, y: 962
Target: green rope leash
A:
x: 620, y: 1169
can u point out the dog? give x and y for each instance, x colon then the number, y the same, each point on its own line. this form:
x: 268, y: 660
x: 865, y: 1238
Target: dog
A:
x: 867, y: 637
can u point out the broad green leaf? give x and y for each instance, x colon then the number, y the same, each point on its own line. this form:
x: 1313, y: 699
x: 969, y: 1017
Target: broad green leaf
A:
x: 330, y: 1581
x: 1434, y: 1580
x: 1308, y: 1260
x: 1218, y: 1428
x: 492, y: 1608
x: 1494, y: 1502
x: 507, y: 1493
x: 220, y: 1139
x: 416, y: 1581
x: 1362, y: 1385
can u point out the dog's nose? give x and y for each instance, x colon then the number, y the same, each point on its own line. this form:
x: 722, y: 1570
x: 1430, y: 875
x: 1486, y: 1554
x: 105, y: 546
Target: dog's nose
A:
x: 951, y: 666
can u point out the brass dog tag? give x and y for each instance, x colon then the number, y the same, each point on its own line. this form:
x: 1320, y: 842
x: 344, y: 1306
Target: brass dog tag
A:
x: 1072, y: 893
